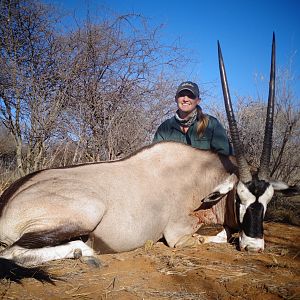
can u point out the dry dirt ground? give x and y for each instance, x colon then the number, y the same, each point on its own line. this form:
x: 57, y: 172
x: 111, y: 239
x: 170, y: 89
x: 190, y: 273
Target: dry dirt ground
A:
x: 214, y: 271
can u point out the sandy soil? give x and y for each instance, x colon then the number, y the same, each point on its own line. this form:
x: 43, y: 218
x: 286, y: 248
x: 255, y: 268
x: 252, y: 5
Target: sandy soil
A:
x: 211, y: 271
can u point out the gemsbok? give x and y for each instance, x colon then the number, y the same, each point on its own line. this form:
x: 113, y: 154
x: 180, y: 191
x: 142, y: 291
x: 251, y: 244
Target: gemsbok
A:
x: 165, y: 190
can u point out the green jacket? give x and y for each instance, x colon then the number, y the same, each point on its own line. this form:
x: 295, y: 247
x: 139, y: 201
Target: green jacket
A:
x: 214, y: 137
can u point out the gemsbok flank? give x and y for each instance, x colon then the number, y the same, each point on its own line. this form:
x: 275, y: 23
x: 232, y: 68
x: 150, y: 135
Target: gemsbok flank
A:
x: 164, y: 190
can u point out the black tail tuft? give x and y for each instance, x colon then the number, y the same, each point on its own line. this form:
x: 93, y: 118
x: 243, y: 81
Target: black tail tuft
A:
x: 11, y: 271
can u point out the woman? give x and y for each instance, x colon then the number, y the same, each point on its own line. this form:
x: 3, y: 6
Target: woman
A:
x: 191, y: 126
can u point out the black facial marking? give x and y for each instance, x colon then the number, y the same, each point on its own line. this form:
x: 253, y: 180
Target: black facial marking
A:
x: 253, y: 220
x: 257, y: 187
x: 252, y: 223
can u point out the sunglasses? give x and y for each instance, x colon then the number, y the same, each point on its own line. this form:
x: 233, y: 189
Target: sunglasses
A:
x: 189, y: 94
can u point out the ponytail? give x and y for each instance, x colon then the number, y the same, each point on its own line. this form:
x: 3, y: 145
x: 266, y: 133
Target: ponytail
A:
x: 202, y: 121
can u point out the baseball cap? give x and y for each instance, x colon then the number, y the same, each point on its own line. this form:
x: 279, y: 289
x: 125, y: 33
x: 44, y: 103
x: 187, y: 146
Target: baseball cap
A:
x: 190, y: 86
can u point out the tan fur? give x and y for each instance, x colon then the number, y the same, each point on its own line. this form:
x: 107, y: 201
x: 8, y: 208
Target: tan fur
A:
x: 151, y: 194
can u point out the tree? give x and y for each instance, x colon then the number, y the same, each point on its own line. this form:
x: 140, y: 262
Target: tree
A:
x: 30, y: 84
x: 7, y: 157
x: 95, y: 93
x: 116, y: 80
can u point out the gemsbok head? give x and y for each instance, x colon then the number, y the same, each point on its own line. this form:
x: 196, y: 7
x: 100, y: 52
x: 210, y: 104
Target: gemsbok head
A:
x: 254, y: 192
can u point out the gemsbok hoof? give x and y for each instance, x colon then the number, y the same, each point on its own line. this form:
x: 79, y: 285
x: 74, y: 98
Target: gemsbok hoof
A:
x: 92, y: 261
x: 77, y: 253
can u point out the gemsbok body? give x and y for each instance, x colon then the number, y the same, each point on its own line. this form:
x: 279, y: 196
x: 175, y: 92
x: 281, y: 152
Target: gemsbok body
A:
x: 164, y: 190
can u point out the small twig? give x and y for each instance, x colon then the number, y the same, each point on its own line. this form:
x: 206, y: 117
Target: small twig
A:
x: 112, y: 283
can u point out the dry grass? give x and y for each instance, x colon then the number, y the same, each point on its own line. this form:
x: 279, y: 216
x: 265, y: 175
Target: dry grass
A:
x: 211, y: 271
x: 284, y: 210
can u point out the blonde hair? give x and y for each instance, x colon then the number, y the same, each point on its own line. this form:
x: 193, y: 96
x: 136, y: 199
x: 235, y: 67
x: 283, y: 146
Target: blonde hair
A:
x: 202, y: 121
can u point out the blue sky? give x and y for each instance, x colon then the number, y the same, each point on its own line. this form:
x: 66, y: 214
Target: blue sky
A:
x: 244, y: 29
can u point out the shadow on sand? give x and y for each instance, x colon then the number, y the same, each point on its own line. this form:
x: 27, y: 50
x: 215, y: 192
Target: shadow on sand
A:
x: 11, y: 271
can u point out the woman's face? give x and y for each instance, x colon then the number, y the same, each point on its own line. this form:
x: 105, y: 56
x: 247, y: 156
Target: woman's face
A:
x: 186, y: 103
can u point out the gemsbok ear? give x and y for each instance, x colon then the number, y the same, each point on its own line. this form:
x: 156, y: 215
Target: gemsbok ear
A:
x: 285, y: 189
x: 221, y: 190
x: 213, y: 197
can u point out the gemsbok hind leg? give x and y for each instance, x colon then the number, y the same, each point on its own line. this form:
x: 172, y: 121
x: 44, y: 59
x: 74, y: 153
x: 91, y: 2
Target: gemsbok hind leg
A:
x: 65, y: 241
x: 32, y: 257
